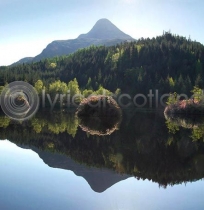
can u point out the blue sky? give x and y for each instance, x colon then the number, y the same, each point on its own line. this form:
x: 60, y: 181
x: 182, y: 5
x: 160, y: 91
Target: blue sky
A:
x: 28, y: 26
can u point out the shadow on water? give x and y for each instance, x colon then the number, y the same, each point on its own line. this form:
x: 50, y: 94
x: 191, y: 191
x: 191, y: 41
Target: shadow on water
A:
x: 145, y: 144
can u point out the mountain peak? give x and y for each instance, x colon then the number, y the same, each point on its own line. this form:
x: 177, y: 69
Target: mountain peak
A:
x: 104, y: 32
x: 105, y: 29
x: 103, y: 22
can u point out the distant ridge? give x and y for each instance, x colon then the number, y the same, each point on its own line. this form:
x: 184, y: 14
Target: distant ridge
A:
x: 104, y: 32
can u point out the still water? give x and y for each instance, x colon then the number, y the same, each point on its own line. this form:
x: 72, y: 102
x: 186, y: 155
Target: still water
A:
x: 54, y: 162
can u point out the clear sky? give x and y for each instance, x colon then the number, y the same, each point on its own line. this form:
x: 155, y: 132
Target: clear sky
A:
x: 28, y: 26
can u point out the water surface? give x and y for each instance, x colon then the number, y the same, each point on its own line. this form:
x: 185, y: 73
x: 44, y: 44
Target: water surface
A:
x: 150, y: 162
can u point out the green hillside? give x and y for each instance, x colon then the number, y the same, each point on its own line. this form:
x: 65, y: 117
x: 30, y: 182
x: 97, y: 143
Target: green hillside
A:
x: 168, y: 63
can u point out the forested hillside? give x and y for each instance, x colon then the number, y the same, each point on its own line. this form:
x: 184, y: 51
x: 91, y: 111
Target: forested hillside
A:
x: 168, y: 63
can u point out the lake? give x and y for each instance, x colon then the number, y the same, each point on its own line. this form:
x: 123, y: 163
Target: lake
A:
x: 144, y: 161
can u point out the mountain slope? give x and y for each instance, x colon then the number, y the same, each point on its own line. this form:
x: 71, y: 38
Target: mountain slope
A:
x: 23, y: 60
x: 65, y: 47
x: 103, y: 33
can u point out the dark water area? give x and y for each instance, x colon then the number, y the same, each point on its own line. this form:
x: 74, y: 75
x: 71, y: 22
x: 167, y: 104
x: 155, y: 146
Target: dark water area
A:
x: 144, y: 160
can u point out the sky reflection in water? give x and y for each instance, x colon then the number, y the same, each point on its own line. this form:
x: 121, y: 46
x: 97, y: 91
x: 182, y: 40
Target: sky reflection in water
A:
x: 27, y: 183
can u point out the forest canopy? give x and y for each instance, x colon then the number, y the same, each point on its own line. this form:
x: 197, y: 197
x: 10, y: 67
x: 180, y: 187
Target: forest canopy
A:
x: 169, y: 63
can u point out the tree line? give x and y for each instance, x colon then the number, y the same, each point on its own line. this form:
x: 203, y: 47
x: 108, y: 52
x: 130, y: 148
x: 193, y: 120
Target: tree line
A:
x: 170, y: 63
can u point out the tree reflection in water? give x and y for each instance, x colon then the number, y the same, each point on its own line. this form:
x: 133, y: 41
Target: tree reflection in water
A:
x: 99, y: 115
x: 144, y: 146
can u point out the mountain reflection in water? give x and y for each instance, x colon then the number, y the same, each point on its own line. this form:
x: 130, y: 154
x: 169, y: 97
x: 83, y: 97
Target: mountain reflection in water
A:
x: 146, y: 146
